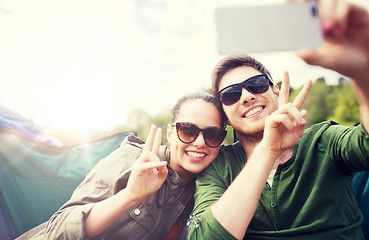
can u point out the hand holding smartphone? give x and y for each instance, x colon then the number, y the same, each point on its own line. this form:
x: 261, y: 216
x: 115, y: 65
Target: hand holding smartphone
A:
x: 282, y: 27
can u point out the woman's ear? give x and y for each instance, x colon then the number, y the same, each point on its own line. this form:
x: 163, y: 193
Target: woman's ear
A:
x: 169, y: 133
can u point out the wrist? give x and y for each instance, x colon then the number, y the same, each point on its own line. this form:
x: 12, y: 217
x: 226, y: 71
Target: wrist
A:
x: 130, y: 199
x: 269, y: 150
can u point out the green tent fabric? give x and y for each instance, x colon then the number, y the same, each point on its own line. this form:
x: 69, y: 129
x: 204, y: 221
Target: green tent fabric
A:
x: 361, y: 184
x: 37, y: 178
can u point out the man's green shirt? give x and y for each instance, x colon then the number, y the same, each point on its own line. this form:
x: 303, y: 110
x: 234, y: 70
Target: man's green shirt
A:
x: 312, y: 196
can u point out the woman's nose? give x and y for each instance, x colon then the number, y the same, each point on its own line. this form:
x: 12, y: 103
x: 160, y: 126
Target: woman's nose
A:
x: 199, y: 141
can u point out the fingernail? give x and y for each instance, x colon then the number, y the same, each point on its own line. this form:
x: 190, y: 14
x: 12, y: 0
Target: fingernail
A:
x: 327, y: 24
x: 303, y: 120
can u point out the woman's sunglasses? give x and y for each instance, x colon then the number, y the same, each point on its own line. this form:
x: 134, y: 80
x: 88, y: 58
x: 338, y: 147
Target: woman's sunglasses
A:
x: 188, y: 132
x: 255, y: 85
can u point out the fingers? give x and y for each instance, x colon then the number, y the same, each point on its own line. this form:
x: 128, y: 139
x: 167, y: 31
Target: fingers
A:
x: 150, y: 139
x: 148, y: 161
x: 301, y: 97
x: 151, y: 148
x: 153, y: 140
x: 285, y: 89
x: 155, y: 166
x: 157, y: 142
x: 285, y: 92
x: 333, y: 14
x: 289, y: 123
x: 289, y: 112
x: 162, y: 171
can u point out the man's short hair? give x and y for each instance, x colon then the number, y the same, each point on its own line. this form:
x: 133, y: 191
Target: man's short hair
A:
x: 232, y: 62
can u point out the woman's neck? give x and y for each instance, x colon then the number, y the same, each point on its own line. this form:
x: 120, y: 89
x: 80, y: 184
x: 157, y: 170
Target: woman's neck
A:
x: 187, y: 192
x: 187, y: 177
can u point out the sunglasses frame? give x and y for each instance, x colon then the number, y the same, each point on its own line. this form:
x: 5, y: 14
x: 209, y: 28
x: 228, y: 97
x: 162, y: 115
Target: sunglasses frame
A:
x: 244, y: 84
x: 178, y: 125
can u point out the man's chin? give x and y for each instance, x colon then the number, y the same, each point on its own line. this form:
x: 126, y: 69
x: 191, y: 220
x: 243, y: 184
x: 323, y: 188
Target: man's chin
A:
x: 251, y: 130
x: 257, y: 135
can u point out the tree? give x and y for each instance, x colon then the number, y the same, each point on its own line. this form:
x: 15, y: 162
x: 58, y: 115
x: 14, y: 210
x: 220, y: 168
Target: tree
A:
x: 136, y: 121
x: 325, y: 102
x: 320, y: 103
x: 347, y: 111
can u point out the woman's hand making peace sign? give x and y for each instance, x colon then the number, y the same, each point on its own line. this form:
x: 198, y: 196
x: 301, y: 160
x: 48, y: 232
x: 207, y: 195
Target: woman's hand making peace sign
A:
x: 148, y: 172
x: 147, y: 175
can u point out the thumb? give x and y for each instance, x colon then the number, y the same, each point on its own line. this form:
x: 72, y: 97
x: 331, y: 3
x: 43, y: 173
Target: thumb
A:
x: 310, y: 56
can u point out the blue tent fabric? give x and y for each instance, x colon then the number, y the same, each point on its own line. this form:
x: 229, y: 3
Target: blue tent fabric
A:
x: 361, y: 184
x: 16, y: 123
x: 36, y: 178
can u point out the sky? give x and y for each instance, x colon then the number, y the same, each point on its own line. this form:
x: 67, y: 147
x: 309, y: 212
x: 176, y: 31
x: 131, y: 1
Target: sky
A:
x: 87, y: 64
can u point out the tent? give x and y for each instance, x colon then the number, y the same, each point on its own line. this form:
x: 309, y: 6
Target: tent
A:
x: 16, y: 123
x: 38, y: 175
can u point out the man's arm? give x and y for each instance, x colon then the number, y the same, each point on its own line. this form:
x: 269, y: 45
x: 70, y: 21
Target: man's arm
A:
x: 283, y: 129
x: 225, y: 213
x: 241, y: 198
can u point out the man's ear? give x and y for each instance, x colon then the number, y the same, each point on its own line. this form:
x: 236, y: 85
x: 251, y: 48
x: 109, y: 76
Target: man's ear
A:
x: 275, y: 89
x: 169, y: 133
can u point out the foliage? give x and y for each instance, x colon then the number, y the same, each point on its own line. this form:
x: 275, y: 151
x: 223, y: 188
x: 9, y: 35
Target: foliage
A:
x: 347, y: 108
x: 324, y: 102
x: 140, y: 121
x: 230, y: 135
x: 320, y: 103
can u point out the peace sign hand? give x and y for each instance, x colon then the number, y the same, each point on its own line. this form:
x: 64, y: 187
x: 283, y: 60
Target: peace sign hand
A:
x: 148, y: 172
x: 284, y: 127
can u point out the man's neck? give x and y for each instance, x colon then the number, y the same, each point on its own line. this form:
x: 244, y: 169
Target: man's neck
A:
x: 249, y: 142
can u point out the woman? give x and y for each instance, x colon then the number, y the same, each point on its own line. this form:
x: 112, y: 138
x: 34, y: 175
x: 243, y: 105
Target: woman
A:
x: 144, y: 190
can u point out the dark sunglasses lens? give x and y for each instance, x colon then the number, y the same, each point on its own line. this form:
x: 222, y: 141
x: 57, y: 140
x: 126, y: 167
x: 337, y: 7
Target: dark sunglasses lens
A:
x: 257, y: 84
x: 230, y: 95
x: 214, y: 136
x: 186, y: 132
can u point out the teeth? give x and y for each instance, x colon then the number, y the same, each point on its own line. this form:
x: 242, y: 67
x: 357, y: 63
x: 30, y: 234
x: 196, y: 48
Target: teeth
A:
x: 196, y: 154
x: 253, y: 111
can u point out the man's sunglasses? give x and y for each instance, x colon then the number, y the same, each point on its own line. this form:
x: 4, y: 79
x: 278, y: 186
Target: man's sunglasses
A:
x: 188, y: 132
x: 255, y: 85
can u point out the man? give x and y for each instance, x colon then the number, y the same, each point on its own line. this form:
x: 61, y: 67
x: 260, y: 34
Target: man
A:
x: 309, y: 193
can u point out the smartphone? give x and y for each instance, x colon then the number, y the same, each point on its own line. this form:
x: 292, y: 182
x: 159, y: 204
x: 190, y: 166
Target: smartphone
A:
x: 281, y: 27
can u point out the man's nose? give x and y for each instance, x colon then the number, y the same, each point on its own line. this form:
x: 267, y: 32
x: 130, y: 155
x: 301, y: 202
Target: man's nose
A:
x: 246, y: 96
